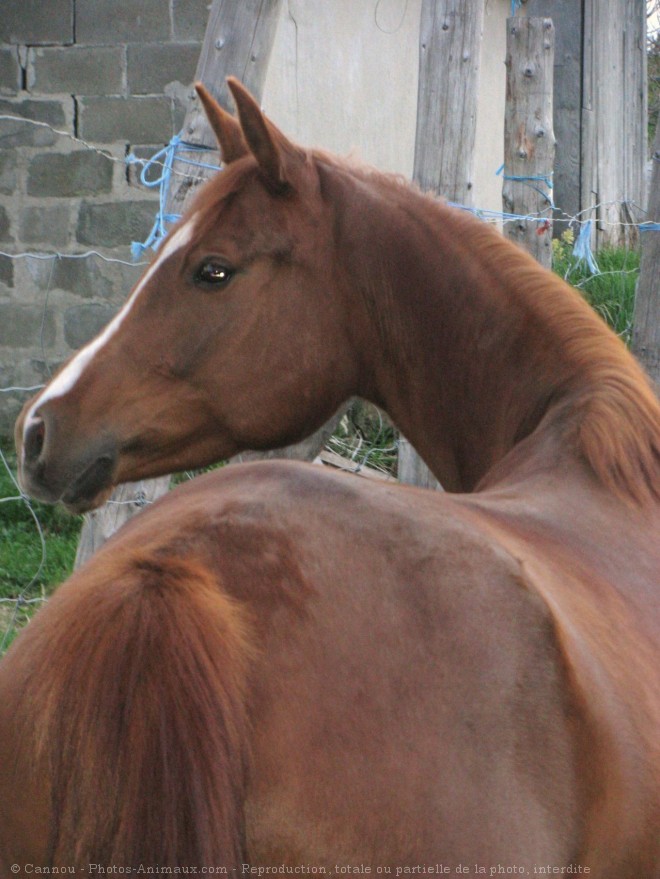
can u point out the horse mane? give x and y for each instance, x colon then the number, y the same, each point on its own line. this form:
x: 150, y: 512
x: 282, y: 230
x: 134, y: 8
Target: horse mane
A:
x: 615, y: 411
x: 141, y: 703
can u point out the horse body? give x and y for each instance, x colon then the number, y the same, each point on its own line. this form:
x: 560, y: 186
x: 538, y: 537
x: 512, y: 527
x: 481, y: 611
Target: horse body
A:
x: 411, y: 702
x: 479, y: 683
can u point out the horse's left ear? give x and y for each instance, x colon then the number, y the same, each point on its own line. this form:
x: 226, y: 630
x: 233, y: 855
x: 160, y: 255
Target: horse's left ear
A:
x: 275, y: 154
x: 225, y: 127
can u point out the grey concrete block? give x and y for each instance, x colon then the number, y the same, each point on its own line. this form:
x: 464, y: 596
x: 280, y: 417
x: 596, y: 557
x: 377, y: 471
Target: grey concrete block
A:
x: 80, y: 70
x: 86, y: 276
x: 118, y: 279
x: 91, y: 277
x: 7, y: 172
x: 135, y: 120
x: 122, y: 21
x: 83, y: 322
x: 25, y: 326
x: 19, y: 133
x: 10, y: 71
x: 152, y: 66
x: 33, y: 275
x: 66, y: 175
x: 9, y: 412
x: 189, y: 18
x: 144, y: 152
x: 116, y: 223
x: 76, y: 276
x: 45, y: 224
x: 5, y: 225
x: 7, y: 271
x: 35, y: 22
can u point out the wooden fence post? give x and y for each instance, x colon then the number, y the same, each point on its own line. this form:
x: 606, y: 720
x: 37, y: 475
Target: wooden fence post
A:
x: 614, y: 139
x: 238, y: 40
x: 529, y: 143
x: 566, y: 17
x: 449, y: 50
x: 646, y: 321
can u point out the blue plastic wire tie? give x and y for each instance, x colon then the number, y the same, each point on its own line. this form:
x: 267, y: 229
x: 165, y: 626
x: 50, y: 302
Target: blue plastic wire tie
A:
x: 582, y: 249
x: 528, y: 180
x: 164, y: 158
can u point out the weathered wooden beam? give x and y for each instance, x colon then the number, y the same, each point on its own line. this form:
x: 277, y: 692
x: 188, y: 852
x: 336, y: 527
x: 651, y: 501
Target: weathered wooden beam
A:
x: 646, y: 320
x: 238, y: 40
x: 529, y: 142
x: 614, y: 117
x: 567, y: 101
x: 449, y: 51
x: 126, y: 500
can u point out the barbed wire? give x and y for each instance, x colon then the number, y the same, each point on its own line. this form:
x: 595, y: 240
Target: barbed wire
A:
x: 106, y: 154
x: 32, y: 254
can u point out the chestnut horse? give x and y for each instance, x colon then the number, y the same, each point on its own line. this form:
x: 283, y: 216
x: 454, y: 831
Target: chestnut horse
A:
x: 492, y: 655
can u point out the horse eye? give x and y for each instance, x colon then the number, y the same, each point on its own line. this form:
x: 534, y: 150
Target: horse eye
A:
x: 213, y: 273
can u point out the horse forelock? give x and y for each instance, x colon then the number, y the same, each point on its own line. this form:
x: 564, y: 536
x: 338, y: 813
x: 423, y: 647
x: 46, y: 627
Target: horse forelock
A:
x: 144, y: 699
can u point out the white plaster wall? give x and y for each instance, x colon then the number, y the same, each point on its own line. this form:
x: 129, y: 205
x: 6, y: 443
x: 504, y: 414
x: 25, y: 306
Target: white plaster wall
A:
x: 489, y: 152
x: 343, y: 76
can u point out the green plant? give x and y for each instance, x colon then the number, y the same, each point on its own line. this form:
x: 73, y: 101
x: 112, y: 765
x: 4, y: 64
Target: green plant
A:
x: 611, y: 290
x: 37, y: 549
x: 366, y: 437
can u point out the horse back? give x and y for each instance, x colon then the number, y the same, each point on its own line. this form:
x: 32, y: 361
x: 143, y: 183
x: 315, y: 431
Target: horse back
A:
x: 425, y: 691
x: 415, y: 698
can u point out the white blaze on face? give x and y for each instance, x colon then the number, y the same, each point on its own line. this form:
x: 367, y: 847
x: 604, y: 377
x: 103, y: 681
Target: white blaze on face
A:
x: 67, y: 379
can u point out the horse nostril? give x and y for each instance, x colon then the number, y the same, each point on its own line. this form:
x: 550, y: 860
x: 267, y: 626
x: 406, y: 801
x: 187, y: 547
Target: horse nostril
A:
x: 33, y: 442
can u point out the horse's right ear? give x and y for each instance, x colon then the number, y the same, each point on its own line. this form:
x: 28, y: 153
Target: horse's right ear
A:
x: 225, y: 127
x: 276, y: 155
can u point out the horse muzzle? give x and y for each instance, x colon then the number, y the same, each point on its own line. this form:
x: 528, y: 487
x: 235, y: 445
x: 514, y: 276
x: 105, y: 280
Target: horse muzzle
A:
x: 54, y: 468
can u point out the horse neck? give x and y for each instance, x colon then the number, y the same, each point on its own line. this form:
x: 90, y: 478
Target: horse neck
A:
x: 471, y: 345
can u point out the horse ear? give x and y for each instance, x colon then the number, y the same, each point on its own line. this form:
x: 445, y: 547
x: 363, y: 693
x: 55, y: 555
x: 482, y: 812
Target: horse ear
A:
x: 272, y: 150
x: 225, y: 127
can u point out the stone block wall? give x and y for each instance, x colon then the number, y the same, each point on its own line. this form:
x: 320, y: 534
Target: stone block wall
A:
x: 115, y: 74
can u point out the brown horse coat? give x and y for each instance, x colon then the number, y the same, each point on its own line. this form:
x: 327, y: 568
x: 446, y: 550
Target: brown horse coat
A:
x: 280, y: 665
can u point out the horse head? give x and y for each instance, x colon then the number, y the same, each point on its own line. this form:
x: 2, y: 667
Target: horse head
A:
x: 234, y: 338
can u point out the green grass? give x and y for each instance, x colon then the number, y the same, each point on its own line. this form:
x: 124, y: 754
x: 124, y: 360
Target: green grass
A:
x: 366, y: 436
x: 37, y: 550
x: 20, y: 542
x: 611, y: 292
